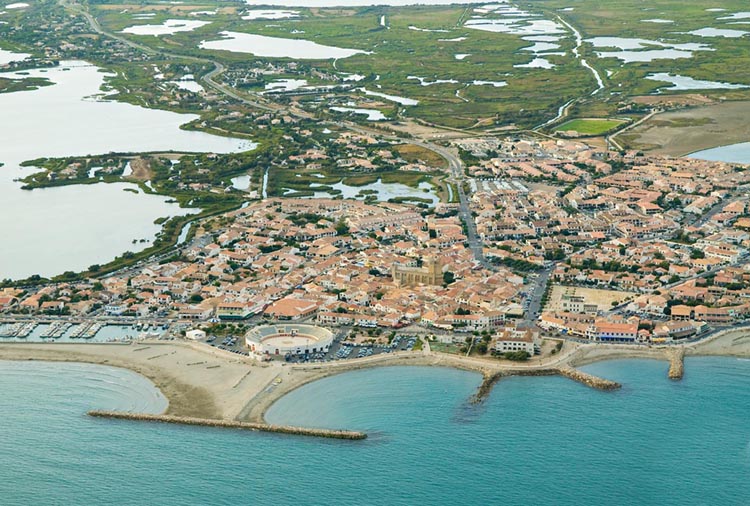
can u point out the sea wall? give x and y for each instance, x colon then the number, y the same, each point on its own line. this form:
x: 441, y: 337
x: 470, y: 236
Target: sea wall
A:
x: 231, y: 424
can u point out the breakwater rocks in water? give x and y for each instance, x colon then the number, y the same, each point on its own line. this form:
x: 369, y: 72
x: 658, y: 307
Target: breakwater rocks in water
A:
x: 568, y: 372
x: 588, y: 379
x: 486, y: 387
x: 231, y: 424
x: 676, y: 364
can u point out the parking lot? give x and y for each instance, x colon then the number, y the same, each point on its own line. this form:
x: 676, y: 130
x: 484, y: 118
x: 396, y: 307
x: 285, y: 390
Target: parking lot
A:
x: 345, y: 350
x: 234, y: 344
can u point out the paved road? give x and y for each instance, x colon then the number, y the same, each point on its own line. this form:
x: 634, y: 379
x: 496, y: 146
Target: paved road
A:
x: 535, y: 298
x: 716, y: 209
x: 456, y: 167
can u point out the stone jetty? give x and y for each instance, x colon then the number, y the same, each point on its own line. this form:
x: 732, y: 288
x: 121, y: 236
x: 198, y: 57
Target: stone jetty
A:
x: 488, y: 381
x: 588, y: 379
x: 231, y: 424
x: 676, y: 364
x: 490, y: 378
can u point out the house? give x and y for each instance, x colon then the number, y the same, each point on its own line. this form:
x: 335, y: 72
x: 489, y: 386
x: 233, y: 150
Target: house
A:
x: 7, y: 302
x: 291, y: 309
x: 333, y: 318
x: 53, y: 305
x: 237, y: 310
x: 667, y: 331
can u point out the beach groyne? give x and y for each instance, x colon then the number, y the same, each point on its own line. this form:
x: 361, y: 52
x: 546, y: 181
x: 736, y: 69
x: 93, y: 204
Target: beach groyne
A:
x: 488, y: 381
x: 491, y: 378
x: 677, y: 364
x: 588, y: 379
x: 231, y: 424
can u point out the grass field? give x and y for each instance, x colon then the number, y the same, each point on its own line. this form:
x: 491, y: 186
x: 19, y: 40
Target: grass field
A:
x: 590, y: 126
x: 417, y: 154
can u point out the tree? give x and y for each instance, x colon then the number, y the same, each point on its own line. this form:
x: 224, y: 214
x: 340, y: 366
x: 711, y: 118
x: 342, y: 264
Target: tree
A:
x: 341, y: 227
x: 518, y: 356
x: 448, y: 277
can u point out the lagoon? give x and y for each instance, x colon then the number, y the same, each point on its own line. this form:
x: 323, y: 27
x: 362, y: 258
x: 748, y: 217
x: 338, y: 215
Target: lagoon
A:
x: 169, y: 27
x: 269, y: 14
x: 285, y: 84
x: 276, y: 47
x: 737, y: 15
x: 718, y: 32
x: 383, y: 191
x: 372, y: 114
x: 392, y: 98
x: 10, y: 56
x: 733, y: 153
x: 688, y: 83
x: 536, y: 63
x: 69, y: 228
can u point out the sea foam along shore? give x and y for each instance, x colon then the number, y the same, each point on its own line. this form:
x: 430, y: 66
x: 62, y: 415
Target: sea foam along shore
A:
x: 202, y: 382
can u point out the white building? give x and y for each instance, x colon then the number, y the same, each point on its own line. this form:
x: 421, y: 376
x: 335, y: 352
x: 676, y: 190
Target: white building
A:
x: 517, y: 340
x: 195, y: 334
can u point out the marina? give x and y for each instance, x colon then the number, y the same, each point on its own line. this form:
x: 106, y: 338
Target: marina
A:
x: 69, y: 331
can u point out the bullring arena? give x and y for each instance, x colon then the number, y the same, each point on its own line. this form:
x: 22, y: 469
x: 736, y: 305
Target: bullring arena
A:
x: 284, y: 339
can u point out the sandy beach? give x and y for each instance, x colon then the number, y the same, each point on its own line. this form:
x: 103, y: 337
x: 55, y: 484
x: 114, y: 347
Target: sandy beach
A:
x: 203, y: 382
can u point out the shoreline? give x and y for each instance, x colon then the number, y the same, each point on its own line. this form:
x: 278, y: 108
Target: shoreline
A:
x: 724, y: 145
x: 201, y: 382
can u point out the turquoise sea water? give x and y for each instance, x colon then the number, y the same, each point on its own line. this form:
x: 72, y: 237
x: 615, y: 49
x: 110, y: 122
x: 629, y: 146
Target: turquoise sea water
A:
x: 535, y: 441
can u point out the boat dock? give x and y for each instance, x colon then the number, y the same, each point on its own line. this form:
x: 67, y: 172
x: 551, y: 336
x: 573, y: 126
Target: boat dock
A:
x: 86, y: 330
x: 55, y: 330
x: 19, y: 330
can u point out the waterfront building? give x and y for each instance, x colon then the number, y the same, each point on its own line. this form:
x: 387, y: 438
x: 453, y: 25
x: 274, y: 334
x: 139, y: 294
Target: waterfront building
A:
x: 606, y: 331
x: 511, y: 340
